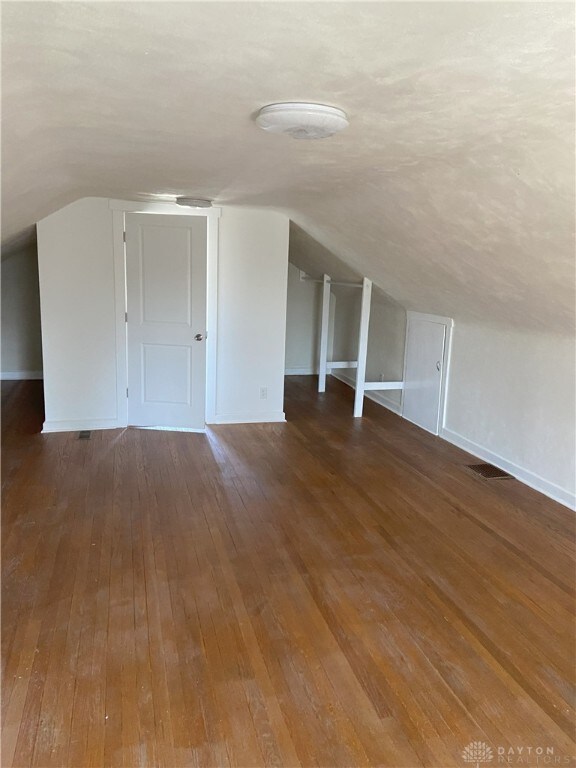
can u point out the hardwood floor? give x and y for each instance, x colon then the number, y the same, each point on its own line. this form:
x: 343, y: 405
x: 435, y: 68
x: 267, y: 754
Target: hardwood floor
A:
x: 326, y: 592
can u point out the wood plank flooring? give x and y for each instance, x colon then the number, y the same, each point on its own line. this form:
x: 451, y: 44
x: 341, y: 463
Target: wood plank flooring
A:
x: 326, y: 592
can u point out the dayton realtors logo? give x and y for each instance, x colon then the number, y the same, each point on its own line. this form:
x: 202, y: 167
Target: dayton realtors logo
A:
x: 478, y: 753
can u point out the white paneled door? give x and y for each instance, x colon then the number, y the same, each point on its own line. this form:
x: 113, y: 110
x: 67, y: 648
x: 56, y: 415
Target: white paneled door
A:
x: 423, y: 372
x: 166, y: 303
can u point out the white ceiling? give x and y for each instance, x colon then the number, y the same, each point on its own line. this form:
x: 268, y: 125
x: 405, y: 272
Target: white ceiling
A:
x: 453, y: 187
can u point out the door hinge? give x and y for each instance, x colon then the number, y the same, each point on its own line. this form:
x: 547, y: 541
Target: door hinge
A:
x: 124, y: 236
x: 125, y: 317
x: 126, y: 391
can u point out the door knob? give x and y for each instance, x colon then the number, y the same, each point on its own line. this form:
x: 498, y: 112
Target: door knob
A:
x: 198, y: 337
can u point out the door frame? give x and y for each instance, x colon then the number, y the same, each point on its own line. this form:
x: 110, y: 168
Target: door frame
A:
x: 448, y: 324
x: 119, y: 210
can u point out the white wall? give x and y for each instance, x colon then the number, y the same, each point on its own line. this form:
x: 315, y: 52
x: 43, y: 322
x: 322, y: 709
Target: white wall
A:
x: 303, y: 316
x: 77, y: 286
x: 385, y: 357
x: 346, y: 323
x: 76, y: 268
x: 511, y: 402
x: 386, y: 337
x: 21, y: 340
x: 252, y: 286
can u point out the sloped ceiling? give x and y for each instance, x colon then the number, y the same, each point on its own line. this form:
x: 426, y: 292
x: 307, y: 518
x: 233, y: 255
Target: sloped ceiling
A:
x: 453, y: 188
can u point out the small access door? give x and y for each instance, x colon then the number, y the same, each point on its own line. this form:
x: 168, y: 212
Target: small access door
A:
x: 166, y: 303
x: 424, y: 370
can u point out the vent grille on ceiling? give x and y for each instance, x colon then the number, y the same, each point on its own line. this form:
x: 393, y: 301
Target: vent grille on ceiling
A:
x: 489, y: 472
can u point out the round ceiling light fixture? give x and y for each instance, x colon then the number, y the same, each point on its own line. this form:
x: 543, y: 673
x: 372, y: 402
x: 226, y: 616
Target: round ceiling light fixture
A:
x: 194, y: 202
x: 302, y: 120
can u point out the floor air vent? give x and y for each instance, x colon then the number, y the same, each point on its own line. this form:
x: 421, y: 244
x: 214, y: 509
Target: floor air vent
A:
x: 84, y: 434
x: 489, y: 471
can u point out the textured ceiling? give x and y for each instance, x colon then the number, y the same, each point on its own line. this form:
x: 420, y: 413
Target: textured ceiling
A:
x: 453, y: 188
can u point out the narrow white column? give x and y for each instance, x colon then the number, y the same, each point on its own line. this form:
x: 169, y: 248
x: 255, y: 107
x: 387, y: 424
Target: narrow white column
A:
x: 362, y: 346
x: 324, y: 333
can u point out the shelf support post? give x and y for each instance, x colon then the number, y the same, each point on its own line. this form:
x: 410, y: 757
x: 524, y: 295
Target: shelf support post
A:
x: 362, y: 346
x: 324, y: 328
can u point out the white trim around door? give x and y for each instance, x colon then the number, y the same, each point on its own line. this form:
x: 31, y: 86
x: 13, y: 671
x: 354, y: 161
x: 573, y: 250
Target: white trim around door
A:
x: 119, y: 208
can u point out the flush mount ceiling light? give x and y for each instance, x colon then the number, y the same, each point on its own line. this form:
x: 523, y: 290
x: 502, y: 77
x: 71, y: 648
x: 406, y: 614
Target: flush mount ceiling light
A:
x: 194, y: 202
x: 302, y: 120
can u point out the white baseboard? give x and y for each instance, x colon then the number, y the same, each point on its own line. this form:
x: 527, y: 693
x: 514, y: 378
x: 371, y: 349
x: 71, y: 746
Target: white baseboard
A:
x: 381, y: 398
x: 78, y: 425
x: 249, y: 418
x: 223, y: 418
x: 553, y: 491
x: 173, y: 429
x: 300, y: 371
x: 21, y: 375
x: 345, y: 377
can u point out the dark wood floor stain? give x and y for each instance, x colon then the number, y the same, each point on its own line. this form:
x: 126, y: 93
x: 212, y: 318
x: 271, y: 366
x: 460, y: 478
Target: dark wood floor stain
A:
x: 327, y: 592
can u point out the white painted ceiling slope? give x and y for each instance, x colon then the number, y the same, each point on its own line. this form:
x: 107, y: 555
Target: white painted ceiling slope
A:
x: 453, y: 188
